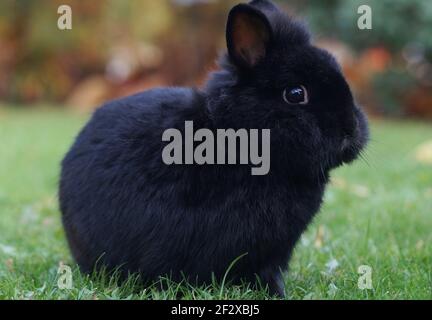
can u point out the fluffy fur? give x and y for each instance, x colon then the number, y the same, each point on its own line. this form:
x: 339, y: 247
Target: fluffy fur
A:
x: 123, y: 208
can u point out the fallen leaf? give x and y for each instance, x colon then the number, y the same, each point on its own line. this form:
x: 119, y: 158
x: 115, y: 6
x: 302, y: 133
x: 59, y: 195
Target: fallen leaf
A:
x: 419, y: 245
x: 339, y: 183
x: 319, y: 239
x: 360, y: 191
x: 10, y: 264
x: 424, y: 153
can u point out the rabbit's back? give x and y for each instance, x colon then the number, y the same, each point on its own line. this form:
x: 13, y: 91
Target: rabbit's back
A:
x: 114, y: 192
x: 122, y: 206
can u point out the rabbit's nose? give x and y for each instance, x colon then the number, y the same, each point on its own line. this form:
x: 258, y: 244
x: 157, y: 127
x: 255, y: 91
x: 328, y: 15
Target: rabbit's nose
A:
x: 352, y: 124
x: 351, y: 132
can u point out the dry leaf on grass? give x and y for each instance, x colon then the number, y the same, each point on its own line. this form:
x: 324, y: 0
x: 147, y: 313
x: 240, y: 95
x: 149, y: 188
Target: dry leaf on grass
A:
x: 10, y: 264
x: 339, y: 183
x: 424, y: 153
x: 319, y: 239
x: 419, y: 245
x: 360, y: 191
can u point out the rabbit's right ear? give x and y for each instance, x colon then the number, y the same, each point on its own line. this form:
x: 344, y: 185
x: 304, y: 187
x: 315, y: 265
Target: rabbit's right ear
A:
x: 248, y: 35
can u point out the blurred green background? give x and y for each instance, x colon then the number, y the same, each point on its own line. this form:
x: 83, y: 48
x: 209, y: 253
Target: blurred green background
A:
x: 119, y: 47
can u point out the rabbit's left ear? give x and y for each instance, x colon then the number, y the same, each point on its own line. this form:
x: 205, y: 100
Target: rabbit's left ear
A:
x: 248, y: 35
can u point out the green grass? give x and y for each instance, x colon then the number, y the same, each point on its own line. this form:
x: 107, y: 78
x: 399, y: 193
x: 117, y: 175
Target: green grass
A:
x: 377, y: 212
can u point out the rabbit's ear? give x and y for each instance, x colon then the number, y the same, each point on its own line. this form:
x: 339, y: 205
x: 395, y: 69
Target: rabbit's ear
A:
x: 248, y: 35
x: 264, y: 5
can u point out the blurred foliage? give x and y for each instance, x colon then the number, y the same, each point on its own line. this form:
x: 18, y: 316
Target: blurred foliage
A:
x: 39, y: 61
x: 391, y: 86
x: 396, y: 23
x: 401, y: 27
x: 119, y: 47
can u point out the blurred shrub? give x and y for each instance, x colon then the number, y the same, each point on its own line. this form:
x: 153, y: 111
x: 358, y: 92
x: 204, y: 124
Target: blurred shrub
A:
x: 391, y: 88
x: 396, y: 23
x: 401, y: 28
x: 119, y: 47
x: 164, y: 41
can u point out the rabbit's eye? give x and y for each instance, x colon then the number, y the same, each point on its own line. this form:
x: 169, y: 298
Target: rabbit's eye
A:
x: 296, y: 95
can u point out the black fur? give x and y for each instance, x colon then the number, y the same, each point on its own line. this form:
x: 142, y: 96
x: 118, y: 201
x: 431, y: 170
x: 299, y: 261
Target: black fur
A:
x: 122, y: 207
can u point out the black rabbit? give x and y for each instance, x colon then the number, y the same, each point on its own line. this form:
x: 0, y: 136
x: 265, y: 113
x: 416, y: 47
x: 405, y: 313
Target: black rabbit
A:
x: 123, y: 207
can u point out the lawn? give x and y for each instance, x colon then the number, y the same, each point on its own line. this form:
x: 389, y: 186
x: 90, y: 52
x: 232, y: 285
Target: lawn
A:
x: 378, y: 213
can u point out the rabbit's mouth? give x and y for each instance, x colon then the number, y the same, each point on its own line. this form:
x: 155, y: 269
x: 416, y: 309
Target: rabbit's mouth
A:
x: 350, y: 150
x: 353, y: 144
